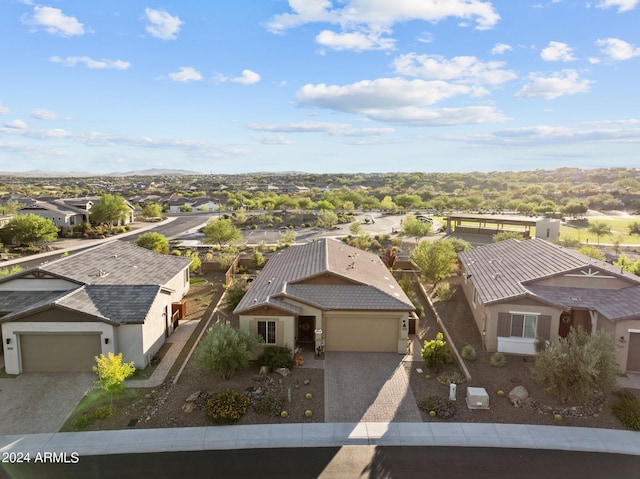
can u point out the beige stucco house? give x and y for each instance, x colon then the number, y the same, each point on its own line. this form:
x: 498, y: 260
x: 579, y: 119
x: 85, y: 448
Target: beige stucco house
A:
x: 522, y: 291
x: 326, y: 293
x: 116, y: 297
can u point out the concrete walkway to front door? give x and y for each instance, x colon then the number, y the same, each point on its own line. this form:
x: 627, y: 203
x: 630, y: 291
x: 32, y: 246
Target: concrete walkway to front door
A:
x: 371, y: 387
x: 40, y: 402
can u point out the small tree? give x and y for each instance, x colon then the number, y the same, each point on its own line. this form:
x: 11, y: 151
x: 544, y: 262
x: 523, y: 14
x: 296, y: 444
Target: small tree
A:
x: 414, y: 227
x: 112, y: 372
x: 152, y: 210
x: 226, y: 350
x: 196, y: 262
x: 599, y: 228
x: 221, y: 231
x: 289, y: 237
x: 9, y: 270
x: 327, y: 218
x: 235, y: 292
x: 390, y: 257
x: 30, y: 229
x: 434, y: 260
x: 109, y: 209
x: 154, y: 241
x: 257, y: 258
x: 436, y: 353
x: 592, y: 251
x: 634, y: 228
x: 579, y: 365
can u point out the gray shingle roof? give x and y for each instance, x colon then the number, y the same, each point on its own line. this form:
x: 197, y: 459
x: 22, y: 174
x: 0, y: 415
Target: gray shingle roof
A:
x: 508, y: 269
x: 366, y: 273
x: 118, y: 262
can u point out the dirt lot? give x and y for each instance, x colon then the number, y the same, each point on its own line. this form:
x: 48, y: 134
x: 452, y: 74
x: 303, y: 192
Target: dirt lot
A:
x: 458, y: 321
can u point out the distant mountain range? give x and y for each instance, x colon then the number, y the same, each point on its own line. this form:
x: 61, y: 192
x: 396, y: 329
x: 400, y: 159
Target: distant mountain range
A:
x: 79, y: 174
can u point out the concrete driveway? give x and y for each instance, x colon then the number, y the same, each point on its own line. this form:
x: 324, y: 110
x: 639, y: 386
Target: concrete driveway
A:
x: 40, y: 402
x: 371, y: 387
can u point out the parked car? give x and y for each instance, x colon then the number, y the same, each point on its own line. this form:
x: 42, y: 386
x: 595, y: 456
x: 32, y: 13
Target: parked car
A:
x: 425, y: 219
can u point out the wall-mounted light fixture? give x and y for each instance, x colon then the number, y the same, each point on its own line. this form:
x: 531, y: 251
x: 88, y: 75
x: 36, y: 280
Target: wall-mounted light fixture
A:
x: 8, y: 340
x: 404, y: 324
x: 622, y: 340
x: 106, y: 340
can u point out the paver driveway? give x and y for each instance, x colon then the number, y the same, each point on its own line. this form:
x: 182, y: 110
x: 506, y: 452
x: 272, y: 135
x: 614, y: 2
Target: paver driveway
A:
x: 371, y: 387
x: 40, y: 402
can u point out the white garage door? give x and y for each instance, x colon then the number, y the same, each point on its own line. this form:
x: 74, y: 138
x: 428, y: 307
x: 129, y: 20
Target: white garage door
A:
x: 633, y: 357
x: 361, y: 334
x: 59, y: 351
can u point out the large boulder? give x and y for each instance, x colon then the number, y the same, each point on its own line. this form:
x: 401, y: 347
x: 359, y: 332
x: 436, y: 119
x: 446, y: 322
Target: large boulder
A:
x: 518, y: 395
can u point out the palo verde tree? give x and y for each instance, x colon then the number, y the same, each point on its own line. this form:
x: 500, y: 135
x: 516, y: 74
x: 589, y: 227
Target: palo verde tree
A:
x: 109, y: 209
x: 152, y: 210
x: 414, y: 227
x: 112, y: 372
x: 221, y: 231
x: 30, y: 229
x: 434, y: 260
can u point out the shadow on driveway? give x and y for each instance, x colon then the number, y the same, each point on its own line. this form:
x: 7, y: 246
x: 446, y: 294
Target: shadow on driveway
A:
x: 40, y: 402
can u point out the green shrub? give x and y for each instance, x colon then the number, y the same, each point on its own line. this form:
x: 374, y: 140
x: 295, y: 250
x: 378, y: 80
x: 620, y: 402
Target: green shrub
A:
x: 226, y: 350
x: 498, y: 360
x: 436, y: 353
x: 627, y: 410
x: 450, y: 377
x: 276, y: 357
x: 443, y: 407
x: 104, y: 412
x: 444, y: 291
x: 82, y: 422
x: 469, y: 353
x: 269, y: 405
x: 227, y: 407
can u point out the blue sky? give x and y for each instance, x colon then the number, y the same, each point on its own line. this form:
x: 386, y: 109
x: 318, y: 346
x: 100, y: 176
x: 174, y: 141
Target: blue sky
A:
x: 319, y: 85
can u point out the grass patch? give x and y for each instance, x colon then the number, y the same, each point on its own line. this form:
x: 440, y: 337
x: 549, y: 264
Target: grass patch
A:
x: 197, y: 281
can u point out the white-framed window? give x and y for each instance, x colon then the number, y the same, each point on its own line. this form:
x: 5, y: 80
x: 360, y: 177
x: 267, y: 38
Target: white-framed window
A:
x: 267, y: 329
x: 523, y: 325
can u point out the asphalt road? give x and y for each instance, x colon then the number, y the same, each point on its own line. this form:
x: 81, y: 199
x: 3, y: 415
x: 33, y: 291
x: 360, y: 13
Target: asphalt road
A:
x: 377, y: 462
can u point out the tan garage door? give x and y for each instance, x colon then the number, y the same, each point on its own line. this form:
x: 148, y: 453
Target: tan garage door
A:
x: 59, y: 352
x: 361, y: 334
x: 633, y: 357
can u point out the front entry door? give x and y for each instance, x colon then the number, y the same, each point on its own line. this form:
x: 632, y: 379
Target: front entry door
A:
x: 566, y: 321
x: 306, y: 326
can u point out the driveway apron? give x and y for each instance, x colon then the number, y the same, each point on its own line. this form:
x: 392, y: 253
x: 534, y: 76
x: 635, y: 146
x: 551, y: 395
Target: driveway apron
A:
x: 371, y: 387
x: 40, y: 402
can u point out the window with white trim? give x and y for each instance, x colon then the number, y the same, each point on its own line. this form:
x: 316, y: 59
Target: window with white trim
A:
x: 523, y: 325
x: 267, y: 329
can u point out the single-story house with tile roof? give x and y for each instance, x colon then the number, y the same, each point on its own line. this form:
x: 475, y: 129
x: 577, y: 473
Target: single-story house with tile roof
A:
x: 327, y: 293
x: 522, y: 291
x: 115, y: 297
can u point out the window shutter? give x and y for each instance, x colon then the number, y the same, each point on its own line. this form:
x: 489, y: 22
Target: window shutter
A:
x: 504, y: 325
x: 544, y: 327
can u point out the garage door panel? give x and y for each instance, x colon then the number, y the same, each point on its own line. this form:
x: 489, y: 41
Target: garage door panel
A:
x: 361, y: 334
x: 59, y: 352
x: 633, y: 357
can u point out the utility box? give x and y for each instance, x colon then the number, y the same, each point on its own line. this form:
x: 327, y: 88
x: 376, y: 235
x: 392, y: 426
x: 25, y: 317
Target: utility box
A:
x: 477, y: 398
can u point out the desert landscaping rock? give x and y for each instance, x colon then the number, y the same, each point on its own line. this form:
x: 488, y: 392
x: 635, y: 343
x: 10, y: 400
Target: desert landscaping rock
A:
x: 188, y: 407
x: 284, y: 372
x: 193, y: 397
x: 264, y: 370
x: 518, y: 395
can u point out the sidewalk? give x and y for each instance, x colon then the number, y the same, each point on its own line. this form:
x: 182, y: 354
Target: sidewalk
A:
x: 327, y: 435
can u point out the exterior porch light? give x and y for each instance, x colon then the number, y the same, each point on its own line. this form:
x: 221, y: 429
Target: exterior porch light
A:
x: 8, y: 340
x: 106, y: 340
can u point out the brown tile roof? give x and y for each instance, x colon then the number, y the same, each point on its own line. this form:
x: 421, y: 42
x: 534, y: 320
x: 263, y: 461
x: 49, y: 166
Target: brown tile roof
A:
x: 372, y: 286
x: 508, y: 269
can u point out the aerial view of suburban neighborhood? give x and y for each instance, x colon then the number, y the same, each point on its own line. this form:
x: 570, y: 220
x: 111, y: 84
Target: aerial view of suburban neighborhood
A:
x: 320, y: 239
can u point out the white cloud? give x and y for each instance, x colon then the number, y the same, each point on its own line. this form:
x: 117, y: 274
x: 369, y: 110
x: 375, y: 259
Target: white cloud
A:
x: 42, y: 114
x: 4, y: 110
x: 248, y: 77
x: 396, y: 100
x: 565, y: 82
x: 425, y: 37
x: 162, y: 25
x: 92, y: 64
x: 617, y: 49
x: 623, y: 5
x: 357, y: 41
x: 186, y: 74
x: 16, y: 124
x: 500, y: 49
x: 557, y: 52
x: 54, y: 22
x: 383, y: 13
x: 273, y: 140
x: 333, y: 129
x: 463, y: 68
